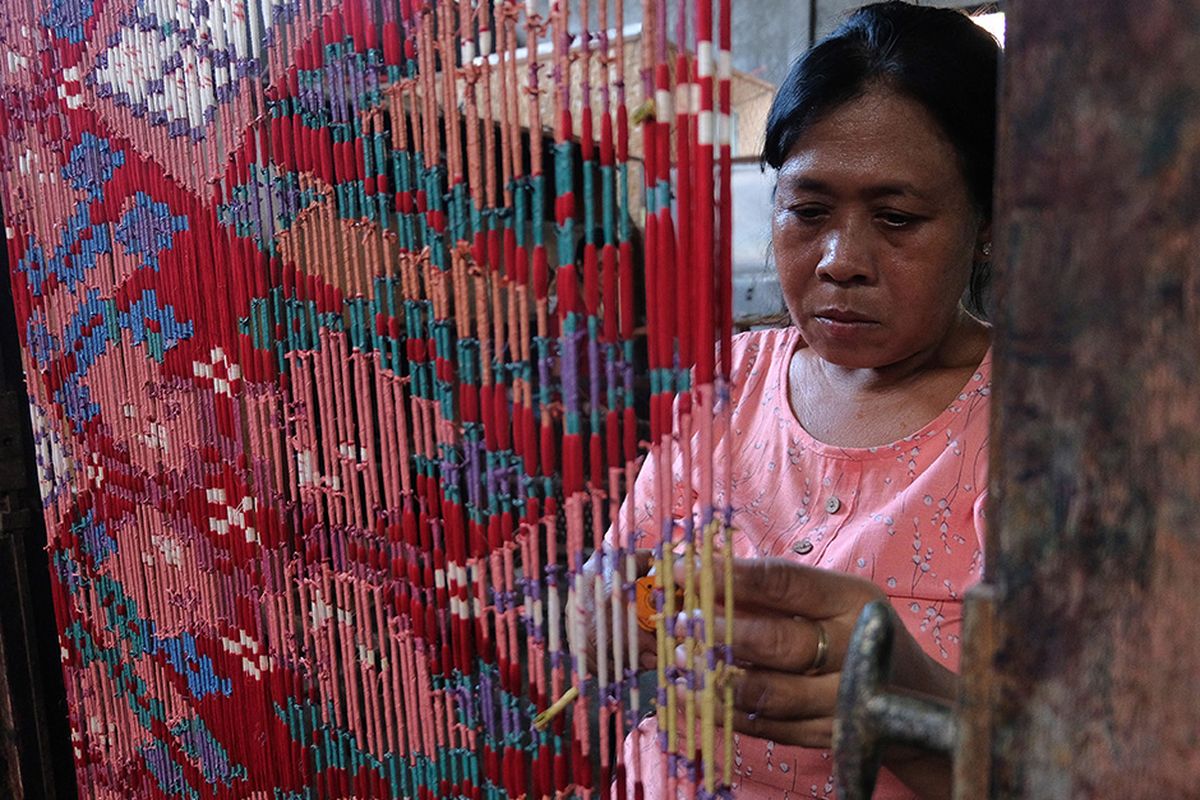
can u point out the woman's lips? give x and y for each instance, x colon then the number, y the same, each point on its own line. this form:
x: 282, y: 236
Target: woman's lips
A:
x: 844, y: 323
x: 844, y: 316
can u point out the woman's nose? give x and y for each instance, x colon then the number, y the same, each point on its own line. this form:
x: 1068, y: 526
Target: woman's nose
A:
x: 845, y: 258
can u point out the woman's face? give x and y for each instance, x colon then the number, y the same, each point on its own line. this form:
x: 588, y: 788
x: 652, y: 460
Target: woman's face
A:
x: 874, y: 232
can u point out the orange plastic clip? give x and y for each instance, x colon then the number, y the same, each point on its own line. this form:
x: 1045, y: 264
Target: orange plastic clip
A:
x: 644, y: 598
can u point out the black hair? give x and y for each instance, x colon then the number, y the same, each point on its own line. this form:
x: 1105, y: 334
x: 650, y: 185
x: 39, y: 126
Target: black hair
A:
x: 936, y: 56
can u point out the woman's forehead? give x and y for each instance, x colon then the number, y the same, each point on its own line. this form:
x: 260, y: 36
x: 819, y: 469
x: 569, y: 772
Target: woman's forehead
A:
x: 869, y: 187
x: 879, y: 143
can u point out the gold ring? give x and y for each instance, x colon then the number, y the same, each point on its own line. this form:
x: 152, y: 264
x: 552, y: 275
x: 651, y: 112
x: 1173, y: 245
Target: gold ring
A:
x: 822, y: 649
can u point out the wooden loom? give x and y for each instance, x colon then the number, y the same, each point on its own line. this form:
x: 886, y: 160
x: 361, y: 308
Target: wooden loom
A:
x: 1099, y: 410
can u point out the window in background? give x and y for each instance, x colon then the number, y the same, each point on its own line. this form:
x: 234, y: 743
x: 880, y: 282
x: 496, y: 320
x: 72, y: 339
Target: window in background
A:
x: 993, y: 23
x: 757, y: 300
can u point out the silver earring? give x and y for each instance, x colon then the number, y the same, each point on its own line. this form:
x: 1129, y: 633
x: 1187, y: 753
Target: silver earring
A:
x: 987, y: 249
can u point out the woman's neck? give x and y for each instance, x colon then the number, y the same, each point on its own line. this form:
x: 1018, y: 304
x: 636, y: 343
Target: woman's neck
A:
x: 874, y: 407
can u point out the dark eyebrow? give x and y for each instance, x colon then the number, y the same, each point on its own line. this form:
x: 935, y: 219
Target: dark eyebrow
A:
x: 806, y: 185
x: 897, y: 189
x: 900, y: 188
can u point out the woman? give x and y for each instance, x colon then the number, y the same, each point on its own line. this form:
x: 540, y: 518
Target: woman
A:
x: 859, y: 434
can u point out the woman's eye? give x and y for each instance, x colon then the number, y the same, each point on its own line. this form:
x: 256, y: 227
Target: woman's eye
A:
x: 896, y: 219
x: 810, y: 213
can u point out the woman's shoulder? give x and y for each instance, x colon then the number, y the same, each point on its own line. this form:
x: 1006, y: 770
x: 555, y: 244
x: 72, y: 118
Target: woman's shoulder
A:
x: 755, y: 353
x: 758, y: 368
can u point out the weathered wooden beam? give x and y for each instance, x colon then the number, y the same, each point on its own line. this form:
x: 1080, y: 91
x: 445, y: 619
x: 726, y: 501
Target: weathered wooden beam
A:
x: 1095, y: 543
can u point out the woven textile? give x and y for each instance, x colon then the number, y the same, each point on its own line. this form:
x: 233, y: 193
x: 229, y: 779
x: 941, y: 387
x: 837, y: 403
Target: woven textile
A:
x: 331, y: 366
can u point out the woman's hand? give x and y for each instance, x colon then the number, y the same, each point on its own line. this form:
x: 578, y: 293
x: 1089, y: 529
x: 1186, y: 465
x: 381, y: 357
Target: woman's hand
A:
x: 791, y: 630
x: 584, y: 604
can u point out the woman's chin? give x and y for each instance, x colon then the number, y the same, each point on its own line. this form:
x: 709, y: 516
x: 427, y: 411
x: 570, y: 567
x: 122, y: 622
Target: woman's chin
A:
x: 860, y: 351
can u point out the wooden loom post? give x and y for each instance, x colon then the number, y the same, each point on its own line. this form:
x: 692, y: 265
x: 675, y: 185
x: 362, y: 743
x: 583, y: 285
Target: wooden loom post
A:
x: 1094, y: 557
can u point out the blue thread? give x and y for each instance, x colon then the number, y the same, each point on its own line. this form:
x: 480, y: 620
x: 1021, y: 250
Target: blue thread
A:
x: 41, y: 343
x: 67, y: 18
x: 149, y: 228
x: 94, y: 539
x: 91, y: 165
x: 144, y: 315
x: 79, y: 243
x: 76, y: 399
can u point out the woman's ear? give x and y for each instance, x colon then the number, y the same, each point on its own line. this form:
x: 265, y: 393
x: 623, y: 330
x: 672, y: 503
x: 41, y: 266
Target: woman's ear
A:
x: 983, y: 242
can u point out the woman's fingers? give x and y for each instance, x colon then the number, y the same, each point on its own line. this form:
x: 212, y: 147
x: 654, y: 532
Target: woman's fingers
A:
x: 816, y: 731
x: 647, y: 649
x: 645, y: 560
x: 582, y: 605
x: 784, y: 695
x: 790, y: 617
x: 787, y: 644
x: 801, y: 732
x: 786, y: 587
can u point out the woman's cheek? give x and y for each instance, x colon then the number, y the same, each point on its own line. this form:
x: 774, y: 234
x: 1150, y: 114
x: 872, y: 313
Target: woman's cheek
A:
x: 792, y: 293
x: 796, y: 273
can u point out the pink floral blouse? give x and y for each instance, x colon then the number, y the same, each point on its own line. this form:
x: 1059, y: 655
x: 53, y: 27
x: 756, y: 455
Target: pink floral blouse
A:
x: 907, y: 515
